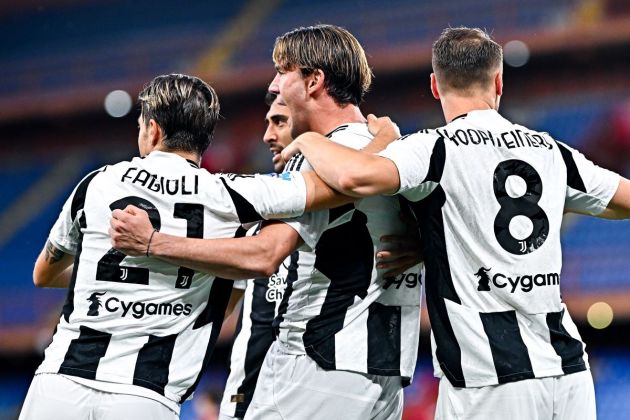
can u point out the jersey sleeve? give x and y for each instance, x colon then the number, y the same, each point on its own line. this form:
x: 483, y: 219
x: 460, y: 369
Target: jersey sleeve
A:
x: 412, y: 157
x: 311, y: 225
x: 257, y: 197
x: 589, y: 187
x: 66, y: 231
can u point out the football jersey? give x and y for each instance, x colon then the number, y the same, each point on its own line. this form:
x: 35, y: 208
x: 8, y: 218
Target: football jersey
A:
x: 254, y: 336
x: 139, y: 325
x: 489, y: 196
x: 337, y: 307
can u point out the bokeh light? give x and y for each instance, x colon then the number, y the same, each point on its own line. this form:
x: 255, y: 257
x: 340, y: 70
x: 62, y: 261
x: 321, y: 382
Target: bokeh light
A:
x: 516, y: 53
x: 599, y: 315
x: 118, y: 103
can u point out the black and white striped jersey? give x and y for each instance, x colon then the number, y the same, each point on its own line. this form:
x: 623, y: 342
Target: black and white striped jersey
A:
x: 337, y: 307
x: 490, y: 196
x: 254, y: 336
x: 139, y: 325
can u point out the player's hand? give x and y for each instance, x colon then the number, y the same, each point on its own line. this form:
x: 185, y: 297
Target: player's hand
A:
x: 384, y: 130
x: 382, y: 126
x: 292, y: 149
x: 400, y: 252
x: 130, y: 230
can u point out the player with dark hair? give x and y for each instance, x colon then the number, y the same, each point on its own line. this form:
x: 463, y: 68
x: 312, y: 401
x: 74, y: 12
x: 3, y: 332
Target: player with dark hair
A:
x: 135, y: 332
x: 260, y: 296
x: 490, y: 196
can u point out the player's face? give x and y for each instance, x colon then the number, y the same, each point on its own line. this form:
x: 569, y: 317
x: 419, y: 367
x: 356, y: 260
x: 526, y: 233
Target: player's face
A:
x: 278, y: 133
x: 143, y: 137
x: 292, y: 87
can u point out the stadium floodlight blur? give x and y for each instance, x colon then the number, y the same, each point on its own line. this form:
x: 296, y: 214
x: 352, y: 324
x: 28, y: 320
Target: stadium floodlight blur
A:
x: 60, y: 61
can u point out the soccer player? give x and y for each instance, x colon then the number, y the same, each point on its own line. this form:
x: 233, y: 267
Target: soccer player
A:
x: 135, y: 333
x: 260, y: 296
x: 263, y: 295
x: 490, y: 196
x: 347, y: 337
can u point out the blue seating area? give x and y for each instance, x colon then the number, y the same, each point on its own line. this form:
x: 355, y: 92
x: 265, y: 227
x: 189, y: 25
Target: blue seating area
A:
x: 91, y: 42
x: 20, y: 302
x: 380, y: 25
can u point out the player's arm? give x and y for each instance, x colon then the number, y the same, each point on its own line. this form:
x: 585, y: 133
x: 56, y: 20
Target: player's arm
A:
x: 349, y: 171
x: 235, y: 298
x: 53, y: 267
x: 619, y: 206
x: 131, y: 232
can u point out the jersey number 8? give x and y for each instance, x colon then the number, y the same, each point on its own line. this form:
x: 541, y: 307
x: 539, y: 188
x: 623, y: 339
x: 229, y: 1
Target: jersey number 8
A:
x: 525, y: 205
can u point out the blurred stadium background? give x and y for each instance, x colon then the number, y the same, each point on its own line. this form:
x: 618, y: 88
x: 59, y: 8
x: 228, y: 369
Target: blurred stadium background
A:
x: 567, y: 71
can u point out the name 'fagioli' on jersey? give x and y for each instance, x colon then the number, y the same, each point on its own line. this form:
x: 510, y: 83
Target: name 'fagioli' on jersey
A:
x: 508, y: 139
x: 160, y: 184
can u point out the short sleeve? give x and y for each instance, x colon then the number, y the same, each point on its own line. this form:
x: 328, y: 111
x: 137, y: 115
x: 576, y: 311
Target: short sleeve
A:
x: 257, y: 197
x: 65, y: 232
x: 412, y: 157
x: 589, y: 187
x: 310, y: 227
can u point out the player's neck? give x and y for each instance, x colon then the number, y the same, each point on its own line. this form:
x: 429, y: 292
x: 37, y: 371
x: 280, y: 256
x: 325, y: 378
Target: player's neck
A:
x: 327, y: 118
x: 453, y: 106
x: 190, y: 156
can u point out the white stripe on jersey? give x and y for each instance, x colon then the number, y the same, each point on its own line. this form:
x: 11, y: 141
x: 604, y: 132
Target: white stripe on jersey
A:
x: 490, y: 196
x: 140, y: 324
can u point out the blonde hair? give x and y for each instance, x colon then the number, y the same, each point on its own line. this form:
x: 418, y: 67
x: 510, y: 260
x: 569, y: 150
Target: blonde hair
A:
x: 185, y: 107
x: 334, y: 51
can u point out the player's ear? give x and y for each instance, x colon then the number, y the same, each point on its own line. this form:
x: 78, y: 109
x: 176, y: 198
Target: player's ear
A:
x: 155, y: 132
x: 498, y: 83
x: 315, y: 81
x: 434, y: 87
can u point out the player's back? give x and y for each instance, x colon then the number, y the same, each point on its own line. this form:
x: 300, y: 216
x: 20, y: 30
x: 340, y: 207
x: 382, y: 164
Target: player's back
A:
x: 139, y: 324
x: 489, y: 196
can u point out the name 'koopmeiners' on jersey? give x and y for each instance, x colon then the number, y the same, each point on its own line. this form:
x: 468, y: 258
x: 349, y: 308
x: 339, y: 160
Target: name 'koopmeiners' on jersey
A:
x: 509, y: 139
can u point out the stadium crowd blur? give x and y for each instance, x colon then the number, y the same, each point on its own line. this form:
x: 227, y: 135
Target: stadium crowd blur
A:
x: 71, y: 71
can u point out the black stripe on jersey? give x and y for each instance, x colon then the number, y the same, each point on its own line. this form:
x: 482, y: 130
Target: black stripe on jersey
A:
x: 437, y: 162
x: 383, y: 330
x: 340, y: 128
x: 292, y: 276
x: 337, y: 212
x: 78, y: 203
x: 214, y: 312
x: 439, y: 283
x: 84, y: 353
x: 568, y: 348
x: 152, y: 364
x: 244, y: 209
x: 260, y: 339
x: 345, y: 255
x: 295, y: 163
x: 509, y: 352
x: 574, y: 180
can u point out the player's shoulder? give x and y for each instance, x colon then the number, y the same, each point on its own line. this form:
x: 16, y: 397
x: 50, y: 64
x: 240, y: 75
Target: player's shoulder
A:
x: 424, y: 137
x: 355, y: 135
